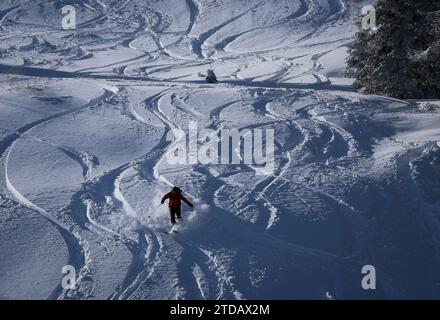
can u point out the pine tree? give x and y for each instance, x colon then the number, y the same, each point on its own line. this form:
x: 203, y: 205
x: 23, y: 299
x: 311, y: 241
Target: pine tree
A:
x: 426, y: 61
x: 400, y: 58
x: 357, y: 51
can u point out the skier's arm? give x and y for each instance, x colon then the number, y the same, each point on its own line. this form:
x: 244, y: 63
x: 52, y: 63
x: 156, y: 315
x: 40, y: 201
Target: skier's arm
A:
x: 186, y: 201
x: 165, y: 197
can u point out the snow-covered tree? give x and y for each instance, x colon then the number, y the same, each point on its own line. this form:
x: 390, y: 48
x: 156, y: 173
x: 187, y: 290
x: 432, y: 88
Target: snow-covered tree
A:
x: 426, y: 62
x: 400, y: 58
x: 357, y: 52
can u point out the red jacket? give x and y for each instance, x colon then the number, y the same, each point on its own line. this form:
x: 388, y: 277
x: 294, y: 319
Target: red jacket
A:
x: 175, y: 199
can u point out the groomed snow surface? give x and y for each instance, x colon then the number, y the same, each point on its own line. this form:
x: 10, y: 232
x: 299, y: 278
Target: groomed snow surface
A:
x: 85, y: 121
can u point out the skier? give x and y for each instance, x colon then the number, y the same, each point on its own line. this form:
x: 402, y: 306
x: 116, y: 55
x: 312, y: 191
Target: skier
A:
x: 174, y: 204
x: 211, y: 77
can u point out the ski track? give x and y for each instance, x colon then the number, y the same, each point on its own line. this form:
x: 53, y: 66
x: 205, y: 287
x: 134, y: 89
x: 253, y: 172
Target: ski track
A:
x: 257, y: 194
x: 189, y: 260
x: 76, y: 245
x: 199, y: 42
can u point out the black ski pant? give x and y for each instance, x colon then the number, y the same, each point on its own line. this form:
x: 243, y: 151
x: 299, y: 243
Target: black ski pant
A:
x: 175, y: 212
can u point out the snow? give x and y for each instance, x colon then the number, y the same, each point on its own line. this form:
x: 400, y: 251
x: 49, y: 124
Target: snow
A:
x: 87, y: 120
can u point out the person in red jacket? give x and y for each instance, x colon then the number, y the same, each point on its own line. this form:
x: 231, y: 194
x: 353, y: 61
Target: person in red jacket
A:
x: 175, y: 197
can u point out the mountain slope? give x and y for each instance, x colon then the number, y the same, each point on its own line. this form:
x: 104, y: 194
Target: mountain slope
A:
x: 86, y: 123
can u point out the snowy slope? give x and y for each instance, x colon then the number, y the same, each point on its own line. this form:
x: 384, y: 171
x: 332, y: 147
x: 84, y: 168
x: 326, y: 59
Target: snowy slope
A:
x: 85, y: 121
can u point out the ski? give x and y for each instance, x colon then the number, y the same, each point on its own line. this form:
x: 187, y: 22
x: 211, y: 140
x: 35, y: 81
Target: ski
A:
x: 171, y: 231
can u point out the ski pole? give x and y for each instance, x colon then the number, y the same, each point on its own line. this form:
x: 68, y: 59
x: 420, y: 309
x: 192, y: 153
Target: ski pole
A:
x: 156, y: 209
